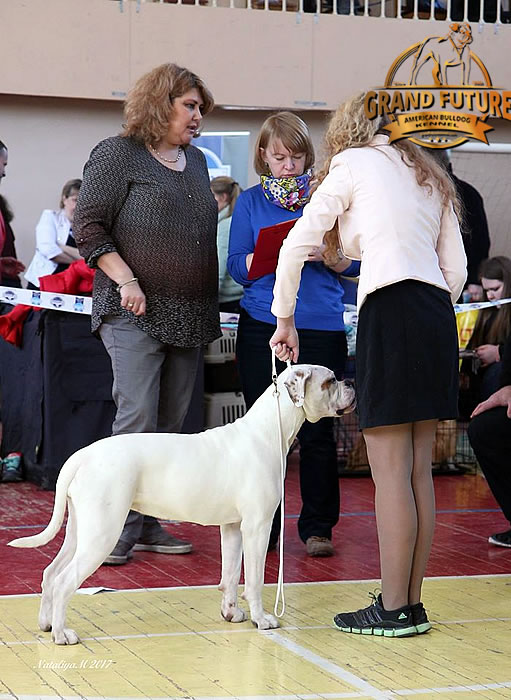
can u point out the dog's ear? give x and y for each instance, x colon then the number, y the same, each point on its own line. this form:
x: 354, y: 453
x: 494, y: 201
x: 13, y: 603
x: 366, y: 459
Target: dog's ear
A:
x: 295, y: 384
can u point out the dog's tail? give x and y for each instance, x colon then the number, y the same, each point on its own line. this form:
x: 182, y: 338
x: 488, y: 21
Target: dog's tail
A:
x: 66, y: 475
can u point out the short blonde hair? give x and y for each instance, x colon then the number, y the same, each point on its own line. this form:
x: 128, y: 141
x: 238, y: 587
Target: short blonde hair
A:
x: 293, y: 133
x: 148, y: 106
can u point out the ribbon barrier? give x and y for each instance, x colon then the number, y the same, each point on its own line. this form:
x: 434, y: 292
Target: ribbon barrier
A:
x: 80, y: 304
x: 75, y: 303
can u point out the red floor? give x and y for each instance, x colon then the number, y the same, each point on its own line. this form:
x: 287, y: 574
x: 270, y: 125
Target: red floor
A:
x: 467, y: 514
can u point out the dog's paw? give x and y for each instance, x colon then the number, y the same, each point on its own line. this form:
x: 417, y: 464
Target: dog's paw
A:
x: 233, y: 614
x: 65, y: 636
x: 266, y: 622
x: 44, y: 625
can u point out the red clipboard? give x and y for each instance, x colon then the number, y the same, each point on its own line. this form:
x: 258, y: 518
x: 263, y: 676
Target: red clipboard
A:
x: 267, y: 247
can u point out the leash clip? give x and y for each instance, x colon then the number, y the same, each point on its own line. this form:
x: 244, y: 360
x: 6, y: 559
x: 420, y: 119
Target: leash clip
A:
x: 274, y: 374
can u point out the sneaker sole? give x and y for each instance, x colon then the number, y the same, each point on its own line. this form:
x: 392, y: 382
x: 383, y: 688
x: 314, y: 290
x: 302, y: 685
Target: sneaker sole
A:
x: 423, y: 627
x: 164, y: 549
x: 117, y: 561
x: 380, y: 631
x: 491, y: 540
x: 323, y: 553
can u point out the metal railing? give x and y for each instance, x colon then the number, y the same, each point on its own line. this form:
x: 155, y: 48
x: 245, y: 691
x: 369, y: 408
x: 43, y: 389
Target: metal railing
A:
x: 481, y: 11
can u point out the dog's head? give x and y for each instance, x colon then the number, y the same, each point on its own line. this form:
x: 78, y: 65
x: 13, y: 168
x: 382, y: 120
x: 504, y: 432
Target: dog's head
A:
x: 317, y: 391
x: 461, y: 33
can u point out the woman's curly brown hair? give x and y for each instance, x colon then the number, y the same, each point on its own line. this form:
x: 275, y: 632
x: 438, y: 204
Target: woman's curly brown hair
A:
x: 349, y: 127
x: 148, y: 106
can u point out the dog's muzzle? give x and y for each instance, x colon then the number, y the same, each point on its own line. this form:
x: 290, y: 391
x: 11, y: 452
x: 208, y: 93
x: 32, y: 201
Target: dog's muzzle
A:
x: 348, y: 384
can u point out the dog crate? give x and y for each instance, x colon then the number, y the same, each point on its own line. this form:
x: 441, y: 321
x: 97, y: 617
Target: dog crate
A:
x: 452, y: 453
x: 222, y: 349
x: 223, y: 407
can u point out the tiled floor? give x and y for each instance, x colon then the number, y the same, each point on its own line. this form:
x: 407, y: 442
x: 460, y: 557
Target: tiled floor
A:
x: 173, y: 644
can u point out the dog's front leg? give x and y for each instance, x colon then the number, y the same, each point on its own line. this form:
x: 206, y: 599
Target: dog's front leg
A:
x: 231, y: 571
x: 255, y: 544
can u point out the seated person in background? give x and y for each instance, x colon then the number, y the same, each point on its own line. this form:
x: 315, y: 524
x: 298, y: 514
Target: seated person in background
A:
x: 55, y: 244
x: 10, y: 266
x: 490, y: 436
x: 226, y: 192
x: 493, y: 325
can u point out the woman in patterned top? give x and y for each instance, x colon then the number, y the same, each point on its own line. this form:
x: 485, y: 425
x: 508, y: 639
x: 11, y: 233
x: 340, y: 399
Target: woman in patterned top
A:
x: 146, y: 218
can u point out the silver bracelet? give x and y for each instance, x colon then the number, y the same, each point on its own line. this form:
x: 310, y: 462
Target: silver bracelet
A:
x: 122, y: 284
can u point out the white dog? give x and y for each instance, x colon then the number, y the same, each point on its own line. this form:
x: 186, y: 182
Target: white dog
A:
x: 227, y: 476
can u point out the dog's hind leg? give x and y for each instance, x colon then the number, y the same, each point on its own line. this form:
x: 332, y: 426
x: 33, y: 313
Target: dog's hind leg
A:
x: 97, y: 532
x: 256, y: 535
x: 63, y: 558
x: 231, y: 571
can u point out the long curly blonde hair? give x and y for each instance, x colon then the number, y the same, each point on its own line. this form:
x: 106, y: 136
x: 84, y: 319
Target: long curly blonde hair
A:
x: 148, y: 106
x: 349, y: 127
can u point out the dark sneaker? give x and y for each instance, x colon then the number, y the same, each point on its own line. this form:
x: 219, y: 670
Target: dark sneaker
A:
x: 163, y: 543
x: 376, y: 620
x: 123, y: 551
x: 12, y: 470
x: 420, y: 618
x: 502, y: 539
x: 319, y: 546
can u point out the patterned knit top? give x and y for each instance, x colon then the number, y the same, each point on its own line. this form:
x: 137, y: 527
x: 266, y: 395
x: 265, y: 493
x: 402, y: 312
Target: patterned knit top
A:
x: 163, y: 225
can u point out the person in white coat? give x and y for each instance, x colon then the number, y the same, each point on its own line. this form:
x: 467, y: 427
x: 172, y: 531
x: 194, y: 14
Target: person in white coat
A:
x: 392, y: 207
x: 55, y: 244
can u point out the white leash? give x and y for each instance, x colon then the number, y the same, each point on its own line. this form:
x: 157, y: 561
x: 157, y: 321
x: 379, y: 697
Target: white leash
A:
x: 280, y: 581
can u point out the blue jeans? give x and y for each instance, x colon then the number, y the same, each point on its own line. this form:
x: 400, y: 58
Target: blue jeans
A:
x: 319, y: 480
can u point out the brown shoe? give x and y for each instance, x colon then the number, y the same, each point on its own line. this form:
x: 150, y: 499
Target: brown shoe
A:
x: 319, y: 546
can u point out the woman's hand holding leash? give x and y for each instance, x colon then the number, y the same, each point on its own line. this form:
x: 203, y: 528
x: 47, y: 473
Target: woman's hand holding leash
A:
x: 285, y: 340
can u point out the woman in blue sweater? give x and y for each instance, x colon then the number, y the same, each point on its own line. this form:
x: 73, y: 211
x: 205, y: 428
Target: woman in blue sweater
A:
x: 283, y: 158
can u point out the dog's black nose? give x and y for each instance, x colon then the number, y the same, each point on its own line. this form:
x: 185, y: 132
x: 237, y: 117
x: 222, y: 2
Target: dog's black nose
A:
x: 349, y: 384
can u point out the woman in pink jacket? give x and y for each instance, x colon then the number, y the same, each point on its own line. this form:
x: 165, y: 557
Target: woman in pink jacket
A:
x: 392, y: 207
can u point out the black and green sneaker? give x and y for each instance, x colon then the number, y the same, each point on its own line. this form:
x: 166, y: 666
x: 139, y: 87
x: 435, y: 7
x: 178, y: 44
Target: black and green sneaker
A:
x: 420, y: 618
x: 377, y: 621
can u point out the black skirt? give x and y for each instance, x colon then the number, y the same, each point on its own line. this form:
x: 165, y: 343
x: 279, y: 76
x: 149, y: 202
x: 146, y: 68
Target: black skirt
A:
x: 407, y: 355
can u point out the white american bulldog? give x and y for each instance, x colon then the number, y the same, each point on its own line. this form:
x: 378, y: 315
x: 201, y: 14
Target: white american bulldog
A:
x: 227, y: 476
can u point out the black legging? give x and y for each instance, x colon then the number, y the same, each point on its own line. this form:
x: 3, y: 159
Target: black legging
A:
x: 319, y: 480
x: 490, y: 436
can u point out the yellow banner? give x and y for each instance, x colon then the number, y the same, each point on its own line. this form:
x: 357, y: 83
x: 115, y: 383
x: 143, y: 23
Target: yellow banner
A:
x: 415, y: 122
x: 465, y: 322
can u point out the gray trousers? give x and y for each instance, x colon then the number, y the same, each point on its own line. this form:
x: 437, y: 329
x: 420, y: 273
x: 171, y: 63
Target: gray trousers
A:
x: 152, y: 388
